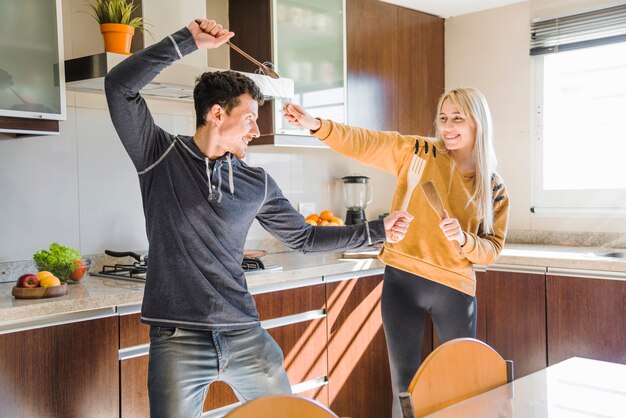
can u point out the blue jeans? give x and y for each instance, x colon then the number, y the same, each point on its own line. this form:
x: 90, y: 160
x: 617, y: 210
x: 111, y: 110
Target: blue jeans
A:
x: 183, y: 363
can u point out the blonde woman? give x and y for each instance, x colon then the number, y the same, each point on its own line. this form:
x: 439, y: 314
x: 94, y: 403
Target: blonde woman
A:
x: 425, y: 272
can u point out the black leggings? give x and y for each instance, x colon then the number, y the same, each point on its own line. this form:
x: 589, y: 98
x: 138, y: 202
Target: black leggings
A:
x: 406, y: 298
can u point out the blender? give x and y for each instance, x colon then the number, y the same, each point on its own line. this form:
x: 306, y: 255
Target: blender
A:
x: 357, y: 195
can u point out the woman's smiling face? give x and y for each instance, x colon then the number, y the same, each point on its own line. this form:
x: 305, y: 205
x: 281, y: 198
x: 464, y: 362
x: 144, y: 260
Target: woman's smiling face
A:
x: 457, y: 131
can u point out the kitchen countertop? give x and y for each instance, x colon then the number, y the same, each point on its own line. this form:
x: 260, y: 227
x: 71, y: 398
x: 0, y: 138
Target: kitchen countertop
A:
x: 94, y: 292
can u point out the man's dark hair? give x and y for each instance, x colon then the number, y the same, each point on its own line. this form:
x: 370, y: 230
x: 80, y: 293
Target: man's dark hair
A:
x: 222, y: 88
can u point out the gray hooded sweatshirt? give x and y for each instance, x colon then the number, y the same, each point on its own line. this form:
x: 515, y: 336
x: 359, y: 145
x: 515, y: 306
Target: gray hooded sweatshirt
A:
x: 198, y: 211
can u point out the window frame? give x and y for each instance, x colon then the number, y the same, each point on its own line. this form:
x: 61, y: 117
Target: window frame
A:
x: 580, y: 201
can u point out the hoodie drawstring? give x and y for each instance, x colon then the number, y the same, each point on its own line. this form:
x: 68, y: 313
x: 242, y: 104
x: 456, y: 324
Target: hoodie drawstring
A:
x: 231, y: 183
x: 208, y: 176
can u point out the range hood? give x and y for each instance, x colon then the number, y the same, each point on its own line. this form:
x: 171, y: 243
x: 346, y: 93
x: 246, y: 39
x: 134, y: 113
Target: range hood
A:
x: 174, y: 82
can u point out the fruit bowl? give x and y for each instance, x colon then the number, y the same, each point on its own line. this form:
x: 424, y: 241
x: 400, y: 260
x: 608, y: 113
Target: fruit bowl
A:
x: 39, y: 292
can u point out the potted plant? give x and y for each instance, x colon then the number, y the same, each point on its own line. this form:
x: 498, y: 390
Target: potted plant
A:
x: 116, y: 23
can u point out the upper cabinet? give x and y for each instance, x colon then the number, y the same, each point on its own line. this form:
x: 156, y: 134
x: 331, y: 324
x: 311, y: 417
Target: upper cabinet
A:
x: 305, y: 41
x: 32, y: 83
x: 364, y: 62
x: 395, y: 67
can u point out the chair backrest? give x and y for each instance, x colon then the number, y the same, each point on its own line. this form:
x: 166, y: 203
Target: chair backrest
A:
x: 454, y: 371
x: 281, y: 406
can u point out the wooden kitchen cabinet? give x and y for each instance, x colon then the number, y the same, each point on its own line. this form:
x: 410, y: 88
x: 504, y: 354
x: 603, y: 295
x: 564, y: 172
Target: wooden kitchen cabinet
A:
x: 395, y: 66
x: 586, y: 317
x: 359, y: 379
x: 394, y: 62
x: 512, y: 316
x: 134, y: 402
x: 61, y: 371
x: 302, y: 340
x: 305, y: 42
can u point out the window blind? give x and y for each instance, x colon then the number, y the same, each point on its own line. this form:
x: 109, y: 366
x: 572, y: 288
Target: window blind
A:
x: 582, y: 30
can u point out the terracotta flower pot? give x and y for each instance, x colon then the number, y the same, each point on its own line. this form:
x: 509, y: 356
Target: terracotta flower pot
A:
x: 117, y: 37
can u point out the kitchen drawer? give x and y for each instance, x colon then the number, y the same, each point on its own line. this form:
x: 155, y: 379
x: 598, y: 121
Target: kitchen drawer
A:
x: 290, y: 302
x: 132, y: 331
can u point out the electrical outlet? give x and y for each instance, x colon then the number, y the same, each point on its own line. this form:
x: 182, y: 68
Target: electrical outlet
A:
x: 306, y: 208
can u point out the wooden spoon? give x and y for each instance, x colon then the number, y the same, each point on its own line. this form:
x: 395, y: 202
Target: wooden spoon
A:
x: 435, y: 202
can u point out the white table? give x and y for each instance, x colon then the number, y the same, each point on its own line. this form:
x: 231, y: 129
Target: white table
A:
x: 574, y: 388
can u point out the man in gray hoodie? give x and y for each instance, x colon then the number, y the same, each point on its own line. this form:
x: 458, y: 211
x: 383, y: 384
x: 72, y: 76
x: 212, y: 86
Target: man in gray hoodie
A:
x: 199, y: 201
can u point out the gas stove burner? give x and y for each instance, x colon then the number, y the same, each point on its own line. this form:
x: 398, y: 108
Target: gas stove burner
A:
x: 137, y: 270
x: 252, y: 263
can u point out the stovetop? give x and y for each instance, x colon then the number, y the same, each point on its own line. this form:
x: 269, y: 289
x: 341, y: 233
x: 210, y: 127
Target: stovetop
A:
x: 137, y: 271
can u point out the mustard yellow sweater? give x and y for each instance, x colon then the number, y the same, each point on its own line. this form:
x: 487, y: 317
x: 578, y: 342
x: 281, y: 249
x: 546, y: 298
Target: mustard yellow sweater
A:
x: 425, y: 250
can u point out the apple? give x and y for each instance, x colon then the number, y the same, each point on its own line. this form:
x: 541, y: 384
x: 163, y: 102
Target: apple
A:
x: 28, y: 280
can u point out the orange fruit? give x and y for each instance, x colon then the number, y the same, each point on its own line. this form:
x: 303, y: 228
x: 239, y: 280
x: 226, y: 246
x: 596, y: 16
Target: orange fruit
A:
x: 327, y: 215
x: 312, y: 217
x: 323, y: 223
x: 43, y: 274
x: 49, y: 281
x: 337, y: 220
x: 311, y: 222
x: 333, y: 224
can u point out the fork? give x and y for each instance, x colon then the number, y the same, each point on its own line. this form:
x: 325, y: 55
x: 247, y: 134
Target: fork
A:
x: 413, y: 177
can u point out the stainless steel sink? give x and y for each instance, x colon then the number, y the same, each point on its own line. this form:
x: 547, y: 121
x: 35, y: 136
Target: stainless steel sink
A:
x: 612, y: 254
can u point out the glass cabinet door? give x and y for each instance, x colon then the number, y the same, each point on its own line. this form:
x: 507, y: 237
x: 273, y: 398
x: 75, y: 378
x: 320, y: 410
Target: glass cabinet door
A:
x: 31, y: 67
x: 309, y: 48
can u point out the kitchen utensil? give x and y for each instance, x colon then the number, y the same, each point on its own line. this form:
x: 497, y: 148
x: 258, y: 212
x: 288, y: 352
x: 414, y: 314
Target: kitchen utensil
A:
x: 435, y: 202
x: 138, y: 257
x: 357, y: 194
x: 264, y: 68
x: 413, y: 177
x: 254, y: 253
x: 39, y: 292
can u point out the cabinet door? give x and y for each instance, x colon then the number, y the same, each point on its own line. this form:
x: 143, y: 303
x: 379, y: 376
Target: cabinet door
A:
x: 372, y: 64
x: 61, y: 371
x: 586, y: 318
x: 395, y: 66
x: 134, y: 402
x: 302, y: 340
x: 32, y: 81
x: 420, y: 70
x: 512, y: 310
x: 360, y: 382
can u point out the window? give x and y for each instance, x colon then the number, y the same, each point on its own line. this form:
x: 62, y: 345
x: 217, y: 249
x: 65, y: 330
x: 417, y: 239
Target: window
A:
x: 580, y: 113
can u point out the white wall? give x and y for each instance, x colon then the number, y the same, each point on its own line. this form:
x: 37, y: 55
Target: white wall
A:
x: 80, y: 188
x: 489, y: 50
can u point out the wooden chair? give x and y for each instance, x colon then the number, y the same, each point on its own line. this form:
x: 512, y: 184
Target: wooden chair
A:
x: 281, y: 406
x: 454, y: 371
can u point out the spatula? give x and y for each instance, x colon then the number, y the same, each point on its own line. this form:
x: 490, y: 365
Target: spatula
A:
x: 435, y: 202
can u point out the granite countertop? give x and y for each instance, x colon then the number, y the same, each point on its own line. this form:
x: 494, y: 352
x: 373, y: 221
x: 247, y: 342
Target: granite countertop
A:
x: 93, y: 292
x: 552, y: 256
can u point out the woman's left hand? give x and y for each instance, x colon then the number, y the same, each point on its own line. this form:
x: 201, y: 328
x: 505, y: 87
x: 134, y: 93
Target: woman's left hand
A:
x: 452, y: 229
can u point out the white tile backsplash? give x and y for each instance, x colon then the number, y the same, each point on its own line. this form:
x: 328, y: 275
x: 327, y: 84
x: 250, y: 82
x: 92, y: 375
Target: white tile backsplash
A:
x: 81, y: 189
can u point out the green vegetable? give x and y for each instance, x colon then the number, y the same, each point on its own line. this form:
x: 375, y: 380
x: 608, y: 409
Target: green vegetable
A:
x: 58, y: 260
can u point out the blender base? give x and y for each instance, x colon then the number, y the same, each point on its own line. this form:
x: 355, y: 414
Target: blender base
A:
x: 355, y: 217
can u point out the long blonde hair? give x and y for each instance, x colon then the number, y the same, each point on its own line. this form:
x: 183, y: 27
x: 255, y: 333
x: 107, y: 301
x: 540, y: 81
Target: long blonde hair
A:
x: 473, y: 105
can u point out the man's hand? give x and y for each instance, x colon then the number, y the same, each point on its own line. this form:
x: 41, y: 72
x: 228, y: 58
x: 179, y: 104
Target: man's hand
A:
x: 208, y: 33
x: 452, y: 229
x: 298, y: 117
x: 396, y: 225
